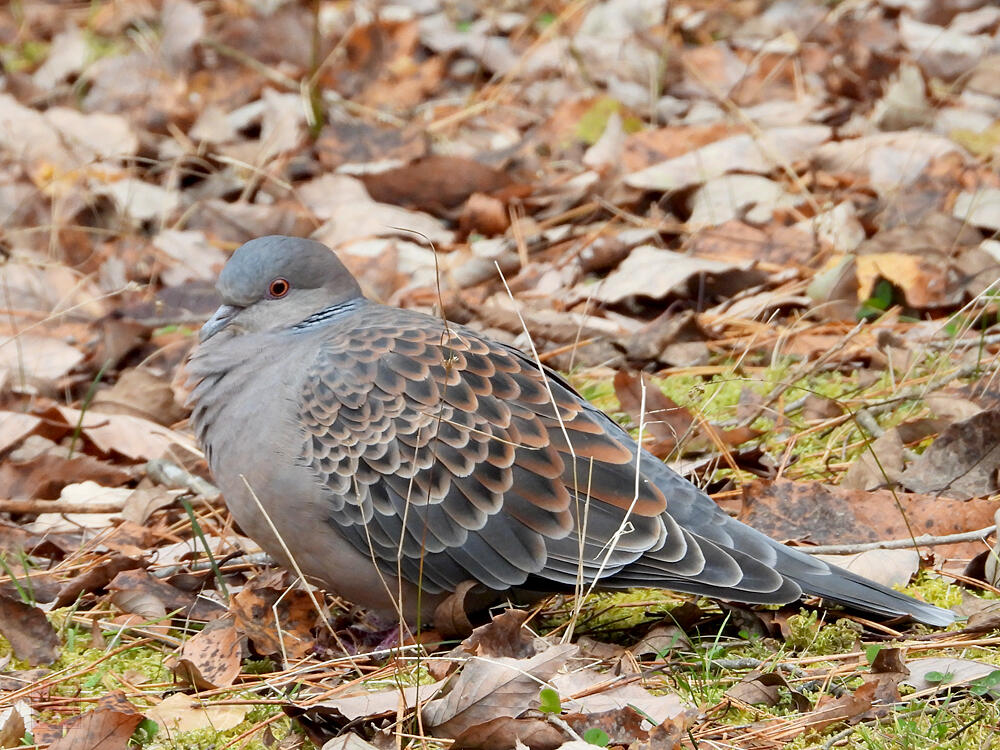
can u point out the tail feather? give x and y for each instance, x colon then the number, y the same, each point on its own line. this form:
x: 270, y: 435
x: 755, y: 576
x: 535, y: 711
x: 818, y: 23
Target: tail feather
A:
x: 845, y: 587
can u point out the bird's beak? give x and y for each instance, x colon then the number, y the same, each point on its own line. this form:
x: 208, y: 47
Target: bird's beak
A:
x: 219, y: 320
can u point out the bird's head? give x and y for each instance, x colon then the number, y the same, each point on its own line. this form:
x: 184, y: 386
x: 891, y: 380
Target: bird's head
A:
x: 275, y: 282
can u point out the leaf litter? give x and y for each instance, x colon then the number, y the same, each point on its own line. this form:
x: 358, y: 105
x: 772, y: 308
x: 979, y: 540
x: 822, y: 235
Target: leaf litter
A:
x: 777, y: 218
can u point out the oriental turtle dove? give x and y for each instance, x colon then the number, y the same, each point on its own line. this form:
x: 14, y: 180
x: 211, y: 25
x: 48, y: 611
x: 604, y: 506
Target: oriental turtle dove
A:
x: 392, y: 456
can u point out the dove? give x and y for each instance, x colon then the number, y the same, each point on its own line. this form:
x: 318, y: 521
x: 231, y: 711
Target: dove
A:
x: 391, y: 457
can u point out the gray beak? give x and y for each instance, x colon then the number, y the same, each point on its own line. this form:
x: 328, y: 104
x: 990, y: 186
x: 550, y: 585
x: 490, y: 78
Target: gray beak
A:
x: 219, y: 320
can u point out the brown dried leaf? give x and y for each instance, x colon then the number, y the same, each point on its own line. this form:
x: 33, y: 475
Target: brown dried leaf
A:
x: 668, y: 734
x: 505, y: 732
x: 371, y: 705
x: 28, y: 631
x: 435, y: 183
x: 36, y: 359
x: 140, y: 393
x: 483, y: 214
x: 620, y: 724
x: 964, y: 462
x: 14, y: 723
x: 758, y: 689
x: 957, y: 672
x: 133, y: 437
x: 650, y: 271
x: 210, y: 659
x: 823, y: 514
x: 504, y: 636
x: 890, y: 567
x: 147, y: 588
x: 96, y: 577
x: 41, y: 469
x: 451, y: 616
x: 254, y: 609
x: 357, y: 142
x: 661, y: 640
x: 661, y: 341
x: 589, y: 692
x: 488, y: 689
x: 14, y: 427
x: 108, y: 726
x: 851, y: 707
x: 184, y: 713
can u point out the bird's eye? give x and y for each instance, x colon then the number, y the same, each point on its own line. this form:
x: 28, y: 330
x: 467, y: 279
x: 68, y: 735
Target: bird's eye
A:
x: 278, y: 288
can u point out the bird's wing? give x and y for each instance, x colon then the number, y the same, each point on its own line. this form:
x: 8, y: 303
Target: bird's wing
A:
x: 448, y: 457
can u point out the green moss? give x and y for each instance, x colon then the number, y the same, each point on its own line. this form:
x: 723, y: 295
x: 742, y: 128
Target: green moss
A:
x: 259, y: 666
x: 807, y: 635
x: 936, y: 590
x: 417, y: 674
x: 614, y: 613
x: 210, y: 739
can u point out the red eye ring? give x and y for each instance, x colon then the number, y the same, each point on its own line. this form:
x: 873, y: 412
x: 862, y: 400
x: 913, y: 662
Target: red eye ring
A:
x: 278, y: 288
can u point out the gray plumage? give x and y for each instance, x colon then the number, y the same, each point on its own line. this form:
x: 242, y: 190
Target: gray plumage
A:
x: 391, y: 456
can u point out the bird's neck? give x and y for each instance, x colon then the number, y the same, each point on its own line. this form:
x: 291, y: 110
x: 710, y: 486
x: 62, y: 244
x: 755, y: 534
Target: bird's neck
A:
x: 331, y: 312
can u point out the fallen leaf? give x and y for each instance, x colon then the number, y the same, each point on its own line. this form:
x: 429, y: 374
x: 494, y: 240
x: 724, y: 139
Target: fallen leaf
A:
x: 762, y: 689
x: 211, y: 658
x: 890, y: 567
x: 649, y: 271
x: 850, y: 707
x: 138, y: 200
x: 667, y: 425
x: 132, y: 437
x: 30, y: 358
x: 139, y: 592
x: 381, y: 702
x: 108, y: 726
x: 185, y: 713
x: 964, y: 462
x: 621, y: 725
x: 142, y: 394
x: 275, y: 619
x: 660, y: 641
x: 823, y: 514
x: 580, y: 692
x: 505, y: 635
x: 741, y: 196
x: 351, y: 215
x: 29, y: 632
x: 15, y: 721
x: 486, y: 689
x: 434, y: 183
x: 945, y: 671
x: 95, y: 577
x: 14, y: 427
x: 189, y: 256
x: 505, y: 732
x: 740, y: 153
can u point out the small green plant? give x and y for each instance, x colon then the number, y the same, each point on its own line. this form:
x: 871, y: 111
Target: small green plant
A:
x: 985, y: 684
x: 548, y: 701
x: 883, y: 297
x: 596, y: 736
x: 936, y: 678
x: 144, y: 733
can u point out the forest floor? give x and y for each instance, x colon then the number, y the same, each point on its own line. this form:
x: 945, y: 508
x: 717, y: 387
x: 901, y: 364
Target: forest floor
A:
x: 763, y: 236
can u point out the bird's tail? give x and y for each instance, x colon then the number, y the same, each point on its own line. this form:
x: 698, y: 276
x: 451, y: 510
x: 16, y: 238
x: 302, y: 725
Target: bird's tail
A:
x: 842, y: 586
